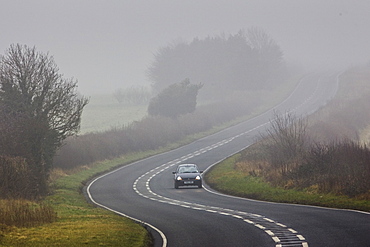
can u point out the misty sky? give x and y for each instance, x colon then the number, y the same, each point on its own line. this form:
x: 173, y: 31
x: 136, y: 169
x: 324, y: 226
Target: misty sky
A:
x: 107, y: 45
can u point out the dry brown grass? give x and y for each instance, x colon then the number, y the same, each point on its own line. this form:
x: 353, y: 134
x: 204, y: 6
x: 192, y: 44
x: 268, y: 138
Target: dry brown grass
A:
x: 23, y: 213
x: 256, y: 168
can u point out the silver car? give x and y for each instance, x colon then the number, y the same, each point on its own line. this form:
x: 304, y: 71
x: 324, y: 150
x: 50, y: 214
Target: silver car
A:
x: 187, y: 175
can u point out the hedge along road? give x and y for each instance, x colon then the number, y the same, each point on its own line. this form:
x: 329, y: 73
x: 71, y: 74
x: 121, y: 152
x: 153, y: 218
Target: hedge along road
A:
x: 144, y: 191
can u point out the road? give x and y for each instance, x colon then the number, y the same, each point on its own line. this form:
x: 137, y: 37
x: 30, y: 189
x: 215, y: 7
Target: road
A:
x: 144, y: 192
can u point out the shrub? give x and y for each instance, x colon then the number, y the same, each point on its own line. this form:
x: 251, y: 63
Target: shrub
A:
x: 340, y: 168
x: 175, y: 100
x: 285, y: 142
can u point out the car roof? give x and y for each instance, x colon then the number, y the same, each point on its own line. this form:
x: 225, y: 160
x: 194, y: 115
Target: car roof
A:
x: 187, y: 165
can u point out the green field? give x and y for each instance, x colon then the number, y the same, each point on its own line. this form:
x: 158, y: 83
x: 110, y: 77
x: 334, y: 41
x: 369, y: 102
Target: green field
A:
x: 104, y: 112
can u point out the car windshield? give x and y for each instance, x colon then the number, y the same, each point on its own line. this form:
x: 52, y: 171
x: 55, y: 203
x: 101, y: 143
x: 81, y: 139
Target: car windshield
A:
x: 188, y: 169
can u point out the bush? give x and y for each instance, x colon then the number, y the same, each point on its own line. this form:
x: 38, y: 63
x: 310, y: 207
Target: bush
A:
x: 175, y: 100
x: 286, y: 142
x: 340, y: 168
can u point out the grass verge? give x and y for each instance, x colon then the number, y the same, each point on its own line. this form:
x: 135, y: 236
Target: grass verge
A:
x: 78, y: 222
x: 224, y: 178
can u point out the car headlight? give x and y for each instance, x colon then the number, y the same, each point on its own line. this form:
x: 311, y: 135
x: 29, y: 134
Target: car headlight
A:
x: 179, y: 178
x: 197, y: 177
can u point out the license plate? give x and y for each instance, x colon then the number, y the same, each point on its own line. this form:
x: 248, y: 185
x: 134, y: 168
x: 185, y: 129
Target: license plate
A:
x: 188, y: 182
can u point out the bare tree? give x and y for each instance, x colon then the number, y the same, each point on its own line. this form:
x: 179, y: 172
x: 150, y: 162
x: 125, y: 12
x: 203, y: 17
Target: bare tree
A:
x: 286, y: 141
x: 49, y: 106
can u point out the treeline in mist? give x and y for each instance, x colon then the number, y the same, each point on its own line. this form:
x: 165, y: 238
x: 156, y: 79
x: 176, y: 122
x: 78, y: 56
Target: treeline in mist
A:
x: 322, y: 153
x: 248, y: 60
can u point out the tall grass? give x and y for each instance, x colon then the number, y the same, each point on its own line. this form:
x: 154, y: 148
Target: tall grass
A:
x: 22, y: 213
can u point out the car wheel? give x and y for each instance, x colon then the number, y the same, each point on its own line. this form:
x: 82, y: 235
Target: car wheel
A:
x: 176, y: 186
x: 200, y: 185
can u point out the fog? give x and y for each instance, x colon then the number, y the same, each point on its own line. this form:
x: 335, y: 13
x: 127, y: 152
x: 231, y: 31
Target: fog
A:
x: 107, y: 45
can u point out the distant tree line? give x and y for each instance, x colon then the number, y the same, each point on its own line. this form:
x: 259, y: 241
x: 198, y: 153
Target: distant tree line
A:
x: 248, y: 60
x: 38, y: 110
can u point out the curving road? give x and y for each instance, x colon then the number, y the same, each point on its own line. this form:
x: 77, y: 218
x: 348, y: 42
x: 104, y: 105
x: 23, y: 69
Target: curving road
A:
x: 144, y: 192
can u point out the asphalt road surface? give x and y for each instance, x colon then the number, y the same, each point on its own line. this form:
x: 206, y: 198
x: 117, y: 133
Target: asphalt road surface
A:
x: 144, y: 191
